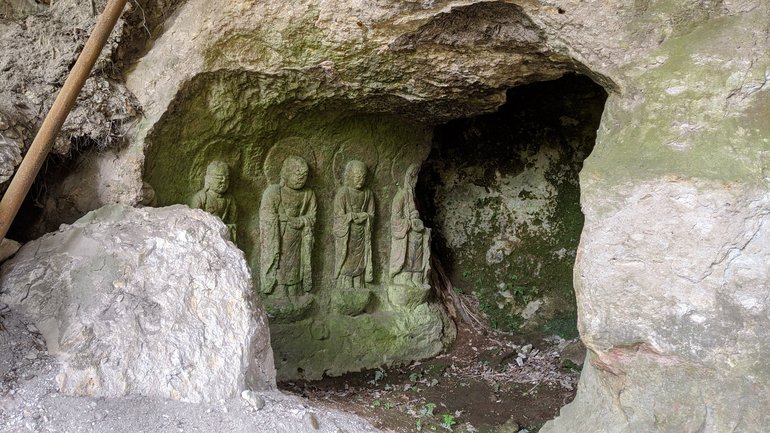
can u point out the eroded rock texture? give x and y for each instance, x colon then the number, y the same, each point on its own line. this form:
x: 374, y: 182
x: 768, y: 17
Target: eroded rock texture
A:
x: 504, y: 196
x: 151, y: 302
x: 672, y: 270
x: 41, y: 41
x: 674, y: 310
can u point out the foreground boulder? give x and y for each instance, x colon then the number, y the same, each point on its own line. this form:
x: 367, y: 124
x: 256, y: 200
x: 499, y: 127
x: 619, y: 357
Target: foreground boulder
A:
x: 684, y: 348
x: 152, y: 302
x: 29, y: 401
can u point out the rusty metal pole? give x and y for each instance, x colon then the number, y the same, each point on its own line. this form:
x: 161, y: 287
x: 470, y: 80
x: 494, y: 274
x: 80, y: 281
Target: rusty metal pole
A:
x: 41, y: 146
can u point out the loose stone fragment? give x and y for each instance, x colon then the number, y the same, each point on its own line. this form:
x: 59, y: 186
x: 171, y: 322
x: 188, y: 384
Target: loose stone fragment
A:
x: 311, y: 420
x: 255, y: 400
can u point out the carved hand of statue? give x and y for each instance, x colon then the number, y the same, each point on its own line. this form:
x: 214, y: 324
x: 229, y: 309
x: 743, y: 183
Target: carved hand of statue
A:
x: 360, y: 218
x: 296, y: 223
x: 417, y: 225
x: 267, y: 289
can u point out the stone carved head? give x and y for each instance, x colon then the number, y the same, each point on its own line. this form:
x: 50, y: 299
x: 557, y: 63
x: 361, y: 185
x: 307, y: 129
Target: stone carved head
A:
x: 217, y: 177
x: 410, y: 177
x: 294, y: 172
x: 355, y: 174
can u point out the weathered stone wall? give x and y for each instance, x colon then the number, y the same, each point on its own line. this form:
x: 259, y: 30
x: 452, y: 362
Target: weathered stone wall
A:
x: 41, y: 41
x: 672, y: 270
x: 685, y: 79
x: 504, y: 194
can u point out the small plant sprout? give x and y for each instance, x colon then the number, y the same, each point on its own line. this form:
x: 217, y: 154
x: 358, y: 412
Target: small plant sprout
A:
x: 427, y: 410
x: 447, y: 421
x: 378, y: 375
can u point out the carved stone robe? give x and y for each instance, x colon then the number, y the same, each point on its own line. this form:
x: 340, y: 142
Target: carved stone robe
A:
x: 409, y: 249
x: 285, y: 257
x: 221, y: 206
x: 353, y: 241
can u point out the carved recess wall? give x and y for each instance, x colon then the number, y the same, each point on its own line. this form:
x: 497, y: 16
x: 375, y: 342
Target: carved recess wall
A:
x: 253, y: 85
x: 502, y: 192
x: 314, y: 215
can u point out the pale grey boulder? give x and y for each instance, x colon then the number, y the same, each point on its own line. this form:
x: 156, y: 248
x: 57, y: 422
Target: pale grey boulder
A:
x: 672, y: 271
x: 672, y: 289
x: 152, y: 302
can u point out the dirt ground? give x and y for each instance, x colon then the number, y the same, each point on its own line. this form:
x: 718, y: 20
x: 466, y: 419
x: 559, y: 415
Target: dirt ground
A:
x: 487, y: 382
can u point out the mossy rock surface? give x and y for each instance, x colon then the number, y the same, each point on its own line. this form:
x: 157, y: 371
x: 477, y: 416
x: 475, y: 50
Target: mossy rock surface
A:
x: 504, y: 196
x: 223, y: 116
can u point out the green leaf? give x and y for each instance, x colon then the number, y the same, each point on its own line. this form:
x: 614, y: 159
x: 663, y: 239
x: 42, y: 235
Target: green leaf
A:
x: 427, y: 410
x: 447, y: 421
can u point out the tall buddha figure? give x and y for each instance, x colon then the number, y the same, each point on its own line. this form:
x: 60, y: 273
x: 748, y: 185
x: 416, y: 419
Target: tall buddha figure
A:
x: 410, y: 240
x: 353, y: 218
x: 286, y: 218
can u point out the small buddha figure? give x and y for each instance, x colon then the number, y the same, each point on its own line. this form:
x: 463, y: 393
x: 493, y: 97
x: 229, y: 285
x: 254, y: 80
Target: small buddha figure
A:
x: 286, y: 218
x: 214, y: 198
x: 410, y: 240
x: 353, y: 218
x: 148, y: 195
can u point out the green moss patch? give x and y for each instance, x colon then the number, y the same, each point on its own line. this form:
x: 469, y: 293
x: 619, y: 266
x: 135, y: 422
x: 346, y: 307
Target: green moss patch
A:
x: 239, y: 118
x: 504, y: 197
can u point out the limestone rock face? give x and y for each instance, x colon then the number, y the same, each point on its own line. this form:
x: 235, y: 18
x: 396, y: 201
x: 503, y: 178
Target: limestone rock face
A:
x: 672, y: 270
x: 11, y: 145
x: 676, y: 324
x: 151, y: 302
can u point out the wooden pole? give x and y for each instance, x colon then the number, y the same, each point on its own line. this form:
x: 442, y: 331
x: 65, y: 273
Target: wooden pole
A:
x: 41, y: 146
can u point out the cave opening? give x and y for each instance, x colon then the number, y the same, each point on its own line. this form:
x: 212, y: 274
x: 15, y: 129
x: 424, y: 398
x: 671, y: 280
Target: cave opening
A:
x: 49, y: 202
x: 502, y: 193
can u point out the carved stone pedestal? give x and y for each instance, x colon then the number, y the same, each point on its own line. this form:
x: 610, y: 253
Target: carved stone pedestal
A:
x: 408, y: 296
x: 287, y: 310
x: 352, y: 302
